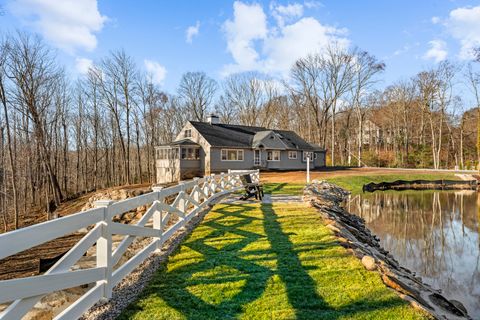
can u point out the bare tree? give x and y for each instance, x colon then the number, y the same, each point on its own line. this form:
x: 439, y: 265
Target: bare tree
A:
x: 365, y: 69
x: 244, y: 93
x: 197, y: 91
x: 3, y: 98
x: 338, y: 74
x: 225, y: 111
x: 473, y: 79
x: 31, y: 67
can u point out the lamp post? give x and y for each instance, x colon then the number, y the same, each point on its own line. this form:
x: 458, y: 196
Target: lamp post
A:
x: 308, y: 167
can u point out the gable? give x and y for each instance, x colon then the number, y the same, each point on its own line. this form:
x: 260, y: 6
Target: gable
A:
x: 193, y: 135
x: 268, y: 140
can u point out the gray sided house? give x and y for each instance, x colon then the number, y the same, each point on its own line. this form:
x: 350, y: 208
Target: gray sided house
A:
x: 203, y: 148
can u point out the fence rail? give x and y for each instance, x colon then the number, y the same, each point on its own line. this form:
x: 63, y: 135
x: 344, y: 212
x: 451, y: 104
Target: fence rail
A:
x: 189, y: 199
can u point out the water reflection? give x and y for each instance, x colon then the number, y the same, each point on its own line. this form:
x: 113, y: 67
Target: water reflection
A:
x: 433, y: 233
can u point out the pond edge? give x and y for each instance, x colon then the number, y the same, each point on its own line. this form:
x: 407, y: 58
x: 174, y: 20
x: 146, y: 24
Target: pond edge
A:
x: 352, y: 233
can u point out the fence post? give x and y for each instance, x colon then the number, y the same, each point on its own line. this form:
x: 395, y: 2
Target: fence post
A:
x: 213, y: 184
x: 222, y: 181
x: 182, y: 203
x: 157, y: 219
x: 206, y: 188
x: 230, y: 178
x: 196, y: 194
x: 104, y: 248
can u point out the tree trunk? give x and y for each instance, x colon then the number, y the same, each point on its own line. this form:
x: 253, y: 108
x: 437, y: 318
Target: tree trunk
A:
x: 13, y: 166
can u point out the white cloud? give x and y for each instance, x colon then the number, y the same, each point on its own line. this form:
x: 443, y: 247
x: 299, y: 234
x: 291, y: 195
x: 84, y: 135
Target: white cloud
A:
x: 401, y: 51
x: 464, y: 25
x: 68, y: 24
x: 192, y: 31
x: 83, y: 65
x: 438, y: 50
x: 286, y: 13
x: 249, y: 23
x: 312, y: 4
x: 297, y: 40
x: 156, y: 71
x: 435, y: 20
x: 257, y: 47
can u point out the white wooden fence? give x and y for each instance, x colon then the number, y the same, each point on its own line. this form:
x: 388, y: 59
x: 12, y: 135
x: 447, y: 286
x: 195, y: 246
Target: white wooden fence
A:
x: 24, y: 293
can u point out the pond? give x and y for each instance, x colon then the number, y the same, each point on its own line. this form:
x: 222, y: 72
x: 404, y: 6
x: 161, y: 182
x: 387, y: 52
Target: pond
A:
x: 433, y: 233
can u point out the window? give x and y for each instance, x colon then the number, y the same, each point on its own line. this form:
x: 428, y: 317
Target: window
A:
x: 162, y: 154
x: 273, y: 155
x: 190, y: 153
x: 187, y: 133
x: 305, y: 156
x: 292, y: 154
x: 232, y: 155
x: 314, y: 156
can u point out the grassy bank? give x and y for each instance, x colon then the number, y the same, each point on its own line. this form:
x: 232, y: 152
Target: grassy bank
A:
x: 261, y: 261
x: 353, y: 183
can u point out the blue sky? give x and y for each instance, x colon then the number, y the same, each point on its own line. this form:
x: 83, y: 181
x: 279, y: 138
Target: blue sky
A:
x: 265, y: 36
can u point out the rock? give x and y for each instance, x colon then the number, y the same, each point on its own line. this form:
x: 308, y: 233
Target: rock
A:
x: 454, y: 306
x: 39, y: 314
x: 459, y: 305
x: 369, y: 263
x: 328, y: 221
x: 343, y: 240
x: 333, y: 228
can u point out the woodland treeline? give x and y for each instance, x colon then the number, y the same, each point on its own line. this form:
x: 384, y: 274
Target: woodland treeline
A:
x: 61, y: 137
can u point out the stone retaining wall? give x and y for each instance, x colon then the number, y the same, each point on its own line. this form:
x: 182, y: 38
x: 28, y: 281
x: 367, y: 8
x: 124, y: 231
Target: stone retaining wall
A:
x: 357, y: 238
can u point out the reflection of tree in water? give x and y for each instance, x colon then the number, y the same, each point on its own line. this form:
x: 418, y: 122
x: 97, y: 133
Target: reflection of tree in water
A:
x: 434, y: 233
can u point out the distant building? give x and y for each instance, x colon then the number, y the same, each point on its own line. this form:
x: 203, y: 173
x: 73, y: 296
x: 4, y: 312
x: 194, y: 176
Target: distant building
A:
x: 202, y: 148
x: 372, y: 134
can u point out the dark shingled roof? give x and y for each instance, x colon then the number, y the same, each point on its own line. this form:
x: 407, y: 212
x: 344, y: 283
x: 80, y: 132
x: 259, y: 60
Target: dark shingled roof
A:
x: 229, y: 135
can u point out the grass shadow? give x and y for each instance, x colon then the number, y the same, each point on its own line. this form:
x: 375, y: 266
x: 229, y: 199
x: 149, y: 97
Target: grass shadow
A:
x: 225, y: 277
x: 301, y: 291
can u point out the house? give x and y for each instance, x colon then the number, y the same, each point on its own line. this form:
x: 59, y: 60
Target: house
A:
x: 203, y: 148
x: 372, y: 133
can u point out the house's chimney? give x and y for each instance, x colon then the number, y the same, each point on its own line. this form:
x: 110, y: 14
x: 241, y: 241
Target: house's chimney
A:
x: 213, y: 119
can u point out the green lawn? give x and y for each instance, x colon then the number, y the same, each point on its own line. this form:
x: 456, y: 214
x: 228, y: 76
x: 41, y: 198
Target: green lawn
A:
x: 284, y: 188
x: 355, y: 183
x: 258, y: 261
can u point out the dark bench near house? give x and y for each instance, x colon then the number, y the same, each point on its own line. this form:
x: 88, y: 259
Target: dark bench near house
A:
x: 252, y: 189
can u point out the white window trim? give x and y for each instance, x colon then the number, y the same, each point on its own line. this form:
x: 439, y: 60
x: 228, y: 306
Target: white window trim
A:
x: 185, y: 133
x: 239, y: 151
x: 273, y: 158
x: 293, y: 152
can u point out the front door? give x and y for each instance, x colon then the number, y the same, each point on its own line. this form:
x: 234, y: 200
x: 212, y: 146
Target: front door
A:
x: 257, y: 158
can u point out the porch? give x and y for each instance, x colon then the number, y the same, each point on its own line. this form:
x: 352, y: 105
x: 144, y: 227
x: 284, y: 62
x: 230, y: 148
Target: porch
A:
x: 179, y: 160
